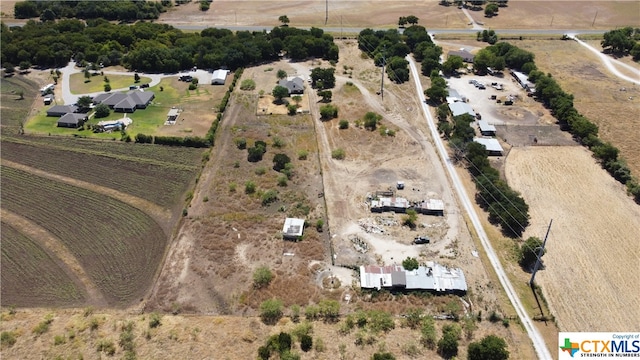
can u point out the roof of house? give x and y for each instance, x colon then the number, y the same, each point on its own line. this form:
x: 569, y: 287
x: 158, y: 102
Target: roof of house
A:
x: 464, y: 54
x: 71, y: 118
x: 293, y: 227
x: 126, y: 103
x: 459, y: 108
x: 101, y: 97
x: 219, y: 75
x: 433, y: 276
x: 295, y: 84
x: 62, y: 109
x: 492, y: 145
x: 140, y: 97
x: 432, y: 204
x: 396, y: 202
x: 114, y: 99
x: 485, y: 126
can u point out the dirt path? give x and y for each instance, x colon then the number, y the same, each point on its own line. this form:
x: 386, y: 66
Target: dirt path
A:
x: 57, y: 249
x: 612, y: 64
x: 159, y: 214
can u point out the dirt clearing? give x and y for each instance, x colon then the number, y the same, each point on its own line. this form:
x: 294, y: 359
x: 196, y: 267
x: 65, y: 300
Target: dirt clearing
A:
x: 590, y: 277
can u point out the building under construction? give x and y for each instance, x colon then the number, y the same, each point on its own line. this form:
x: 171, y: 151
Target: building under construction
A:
x: 433, y: 277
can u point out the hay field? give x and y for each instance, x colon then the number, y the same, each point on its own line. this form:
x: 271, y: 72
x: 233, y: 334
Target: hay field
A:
x: 597, y: 93
x: 590, y: 279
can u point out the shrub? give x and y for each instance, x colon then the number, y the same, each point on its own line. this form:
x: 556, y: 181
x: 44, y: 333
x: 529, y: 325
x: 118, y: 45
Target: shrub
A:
x: 306, y: 343
x: 101, y: 111
x: 154, y: 320
x: 260, y: 171
x: 319, y: 225
x: 311, y: 312
x: 247, y: 84
x: 249, y: 187
x: 319, y: 345
x: 262, y: 276
x: 328, y: 112
x: 338, y: 154
x: 7, y: 339
x: 269, y: 196
x: 278, y: 142
x: 292, y: 109
x: 241, y: 143
x: 43, y: 326
x: 428, y: 331
x: 371, y: 120
x: 271, y: 311
x: 383, y: 356
x: 302, y: 154
x: 410, y: 218
x: 410, y: 263
x: 329, y: 310
x: 59, y: 340
x: 282, y: 180
x: 280, y: 161
x: 344, y: 124
x: 106, y: 346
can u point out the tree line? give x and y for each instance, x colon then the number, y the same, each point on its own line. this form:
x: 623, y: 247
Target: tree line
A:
x: 114, y: 10
x: 622, y: 42
x: 151, y: 47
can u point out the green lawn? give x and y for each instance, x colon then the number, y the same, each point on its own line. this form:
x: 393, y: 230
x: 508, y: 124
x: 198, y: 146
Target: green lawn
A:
x: 79, y: 86
x: 145, y: 121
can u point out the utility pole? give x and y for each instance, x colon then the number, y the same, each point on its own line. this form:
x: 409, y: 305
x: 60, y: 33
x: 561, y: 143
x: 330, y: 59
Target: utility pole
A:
x: 540, y: 253
x: 551, y: 21
x: 326, y: 12
x: 594, y: 19
x: 384, y: 50
x: 340, y: 26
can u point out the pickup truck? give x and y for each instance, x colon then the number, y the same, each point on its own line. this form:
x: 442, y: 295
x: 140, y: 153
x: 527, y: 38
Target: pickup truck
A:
x: 421, y: 240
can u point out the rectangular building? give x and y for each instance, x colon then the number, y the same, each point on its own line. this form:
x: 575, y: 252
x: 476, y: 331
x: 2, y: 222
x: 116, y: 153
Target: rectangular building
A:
x: 431, y: 277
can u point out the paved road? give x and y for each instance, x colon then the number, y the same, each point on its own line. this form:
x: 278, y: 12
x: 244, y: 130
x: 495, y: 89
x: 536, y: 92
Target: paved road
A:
x: 538, y: 342
x: 611, y: 63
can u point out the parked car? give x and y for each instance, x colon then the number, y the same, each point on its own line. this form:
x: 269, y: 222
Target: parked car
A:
x: 144, y: 86
x: 421, y: 240
x: 186, y: 78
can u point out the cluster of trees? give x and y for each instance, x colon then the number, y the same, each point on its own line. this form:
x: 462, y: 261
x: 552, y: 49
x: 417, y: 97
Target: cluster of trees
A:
x: 561, y: 104
x: 322, y: 78
x: 386, y: 47
x: 488, y: 36
x: 501, y: 55
x: 623, y: 41
x: 117, y: 10
x: 154, y: 47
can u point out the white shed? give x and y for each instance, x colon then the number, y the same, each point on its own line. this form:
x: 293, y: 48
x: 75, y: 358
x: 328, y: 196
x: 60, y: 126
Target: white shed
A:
x: 219, y: 77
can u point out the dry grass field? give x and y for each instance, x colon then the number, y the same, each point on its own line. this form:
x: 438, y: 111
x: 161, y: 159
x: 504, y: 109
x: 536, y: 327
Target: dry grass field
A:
x: 597, y: 93
x: 542, y: 14
x: 589, y: 278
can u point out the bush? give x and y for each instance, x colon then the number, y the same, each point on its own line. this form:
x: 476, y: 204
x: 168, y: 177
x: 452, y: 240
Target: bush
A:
x: 260, y: 171
x: 292, y: 109
x: 319, y: 225
x: 410, y: 263
x: 262, y: 276
x: 247, y: 84
x: 338, y: 154
x: 59, y: 339
x: 43, y: 326
x: 371, y: 120
x: 249, y: 187
x: 344, y: 124
x: 154, y: 320
x: 282, y: 180
x: 302, y: 154
x: 306, y: 343
x: 280, y: 161
x: 271, y: 311
x: 428, y: 331
x: 491, y: 347
x: 241, y: 143
x: 383, y: 356
x: 329, y: 310
x: 7, y: 339
x: 311, y: 312
x: 328, y: 112
x: 106, y: 346
x: 269, y: 196
x: 101, y: 111
x: 410, y: 219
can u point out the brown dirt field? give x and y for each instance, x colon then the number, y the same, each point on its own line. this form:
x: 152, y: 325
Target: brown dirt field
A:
x: 592, y: 246
x: 596, y: 91
x: 385, y: 13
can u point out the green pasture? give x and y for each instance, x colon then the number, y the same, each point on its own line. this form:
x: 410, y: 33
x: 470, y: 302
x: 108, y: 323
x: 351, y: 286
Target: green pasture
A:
x: 79, y: 84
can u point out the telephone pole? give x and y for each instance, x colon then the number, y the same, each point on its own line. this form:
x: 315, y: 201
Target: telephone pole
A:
x: 540, y: 253
x: 384, y: 50
x: 326, y: 12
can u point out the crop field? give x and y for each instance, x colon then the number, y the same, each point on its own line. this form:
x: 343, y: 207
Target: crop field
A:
x: 593, y: 244
x: 160, y: 182
x: 31, y: 277
x: 119, y: 246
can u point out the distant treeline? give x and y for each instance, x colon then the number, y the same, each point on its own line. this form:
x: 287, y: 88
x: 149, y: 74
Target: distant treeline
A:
x: 150, y: 47
x: 118, y: 10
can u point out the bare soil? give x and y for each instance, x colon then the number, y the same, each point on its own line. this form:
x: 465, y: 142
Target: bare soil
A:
x: 593, y: 243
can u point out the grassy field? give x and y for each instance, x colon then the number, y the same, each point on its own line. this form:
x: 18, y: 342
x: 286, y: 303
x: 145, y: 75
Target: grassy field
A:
x: 119, y: 246
x: 32, y: 277
x: 597, y: 93
x: 13, y: 111
x: 80, y: 85
x: 160, y: 182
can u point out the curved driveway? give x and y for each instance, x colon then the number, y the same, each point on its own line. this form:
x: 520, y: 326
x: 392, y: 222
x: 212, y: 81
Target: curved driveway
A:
x: 611, y: 63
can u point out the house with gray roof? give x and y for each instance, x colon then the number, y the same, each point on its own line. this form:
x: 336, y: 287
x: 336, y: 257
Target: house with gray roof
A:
x: 294, y: 85
x: 464, y: 54
x: 71, y: 120
x: 60, y: 110
x: 125, y: 102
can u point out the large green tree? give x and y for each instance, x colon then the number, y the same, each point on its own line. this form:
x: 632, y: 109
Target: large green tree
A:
x: 491, y: 347
x: 529, y: 252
